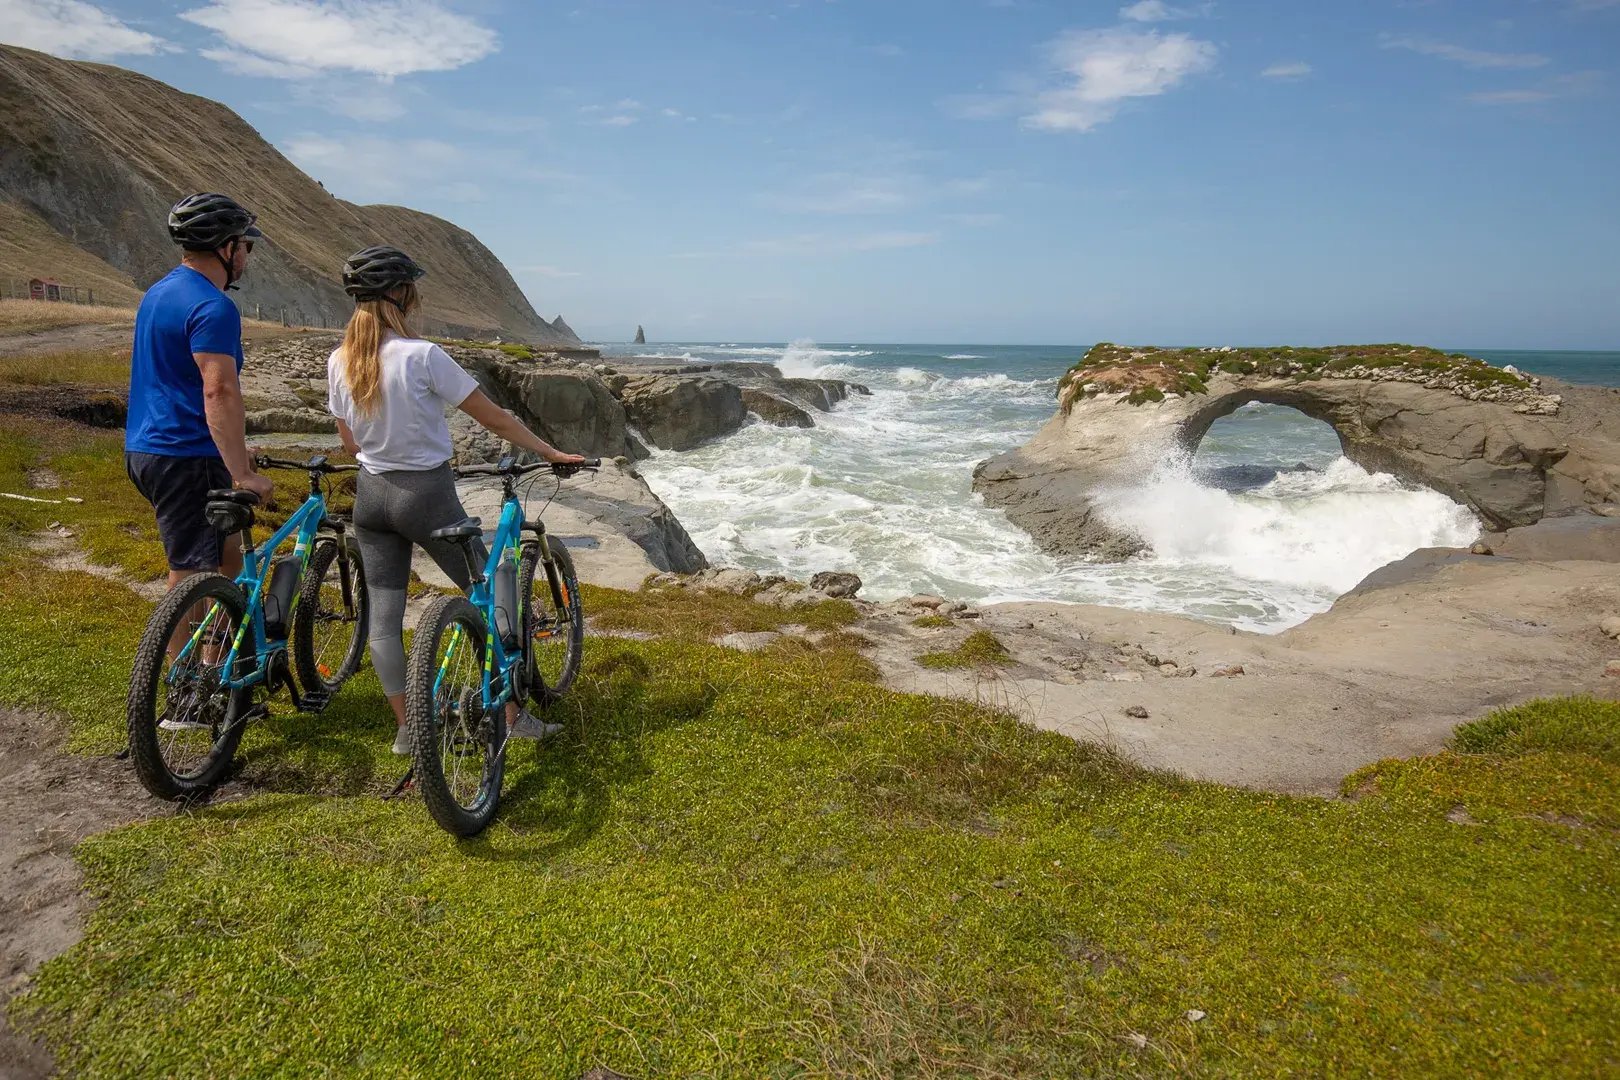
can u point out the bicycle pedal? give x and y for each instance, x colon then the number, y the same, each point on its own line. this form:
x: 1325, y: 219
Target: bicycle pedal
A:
x: 315, y: 701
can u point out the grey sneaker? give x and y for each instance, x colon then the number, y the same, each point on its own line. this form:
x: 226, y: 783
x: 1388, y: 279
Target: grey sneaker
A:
x: 402, y: 741
x: 529, y: 726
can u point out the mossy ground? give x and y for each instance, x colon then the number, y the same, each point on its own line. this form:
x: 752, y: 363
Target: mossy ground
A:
x: 1149, y: 373
x: 979, y: 649
x: 739, y: 864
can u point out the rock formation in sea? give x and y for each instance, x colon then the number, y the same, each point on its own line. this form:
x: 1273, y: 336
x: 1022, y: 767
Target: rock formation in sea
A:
x: 1506, y: 445
x: 641, y: 335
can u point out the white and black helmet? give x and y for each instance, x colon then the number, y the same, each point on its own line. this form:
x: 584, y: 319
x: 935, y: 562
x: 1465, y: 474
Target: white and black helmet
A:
x: 370, y: 274
x: 208, y: 221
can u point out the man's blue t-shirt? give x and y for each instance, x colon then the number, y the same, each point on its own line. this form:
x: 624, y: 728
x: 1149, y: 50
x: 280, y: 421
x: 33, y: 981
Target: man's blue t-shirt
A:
x: 180, y: 315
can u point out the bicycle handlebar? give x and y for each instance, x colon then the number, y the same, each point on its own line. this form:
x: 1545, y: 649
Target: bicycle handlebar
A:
x: 314, y: 465
x: 508, y: 467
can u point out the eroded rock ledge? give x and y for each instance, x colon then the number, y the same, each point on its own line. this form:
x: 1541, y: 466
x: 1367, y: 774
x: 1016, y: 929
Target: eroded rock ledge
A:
x: 1507, y: 446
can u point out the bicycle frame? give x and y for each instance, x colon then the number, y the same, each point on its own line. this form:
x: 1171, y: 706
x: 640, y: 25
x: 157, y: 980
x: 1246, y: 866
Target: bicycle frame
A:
x: 253, y: 579
x: 498, y: 663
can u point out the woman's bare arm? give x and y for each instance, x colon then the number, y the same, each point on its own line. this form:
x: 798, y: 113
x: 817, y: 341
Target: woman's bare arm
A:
x: 499, y: 421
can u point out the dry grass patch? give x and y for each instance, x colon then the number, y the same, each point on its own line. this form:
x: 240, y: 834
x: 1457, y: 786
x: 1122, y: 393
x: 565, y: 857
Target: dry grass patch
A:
x: 81, y: 367
x: 29, y: 316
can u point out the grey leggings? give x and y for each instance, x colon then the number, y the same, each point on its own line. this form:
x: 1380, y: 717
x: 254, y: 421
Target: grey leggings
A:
x: 392, y: 511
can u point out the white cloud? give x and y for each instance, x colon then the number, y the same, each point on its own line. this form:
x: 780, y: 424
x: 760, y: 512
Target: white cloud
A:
x: 1158, y: 11
x: 374, y: 167
x: 1578, y: 84
x: 846, y: 193
x: 241, y: 63
x: 1457, y: 54
x: 385, y: 38
x: 1147, y: 12
x: 1108, y: 67
x: 619, y: 120
x: 1289, y: 69
x: 73, y: 29
x: 823, y: 244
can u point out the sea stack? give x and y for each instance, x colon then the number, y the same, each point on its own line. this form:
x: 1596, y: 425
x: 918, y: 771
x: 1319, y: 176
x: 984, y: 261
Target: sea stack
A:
x: 641, y: 335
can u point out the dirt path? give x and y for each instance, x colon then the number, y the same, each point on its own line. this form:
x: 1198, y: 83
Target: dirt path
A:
x: 49, y: 801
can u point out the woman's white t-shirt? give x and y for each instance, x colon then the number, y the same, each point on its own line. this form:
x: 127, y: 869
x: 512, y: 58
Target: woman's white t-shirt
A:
x: 407, y: 432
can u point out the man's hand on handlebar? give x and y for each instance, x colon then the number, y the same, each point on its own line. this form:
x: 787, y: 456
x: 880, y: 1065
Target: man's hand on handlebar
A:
x: 260, y: 485
x: 557, y: 457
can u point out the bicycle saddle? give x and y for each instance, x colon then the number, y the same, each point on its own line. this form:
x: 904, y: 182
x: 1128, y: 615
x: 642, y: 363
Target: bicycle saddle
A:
x: 243, y: 498
x: 465, y: 529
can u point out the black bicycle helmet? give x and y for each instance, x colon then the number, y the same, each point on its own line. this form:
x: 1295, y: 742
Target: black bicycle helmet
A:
x: 370, y: 274
x: 208, y: 221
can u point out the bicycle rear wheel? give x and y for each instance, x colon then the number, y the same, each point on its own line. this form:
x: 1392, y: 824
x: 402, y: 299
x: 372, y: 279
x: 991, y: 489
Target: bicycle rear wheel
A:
x: 556, y: 631
x: 329, y: 633
x: 458, y: 745
x: 184, y: 722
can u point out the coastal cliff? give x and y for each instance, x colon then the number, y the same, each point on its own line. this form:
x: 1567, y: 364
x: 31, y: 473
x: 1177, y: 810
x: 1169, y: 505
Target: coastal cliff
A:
x: 1505, y: 445
x: 92, y: 156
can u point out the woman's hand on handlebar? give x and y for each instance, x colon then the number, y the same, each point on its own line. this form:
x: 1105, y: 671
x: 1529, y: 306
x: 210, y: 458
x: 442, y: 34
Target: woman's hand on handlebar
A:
x: 557, y: 457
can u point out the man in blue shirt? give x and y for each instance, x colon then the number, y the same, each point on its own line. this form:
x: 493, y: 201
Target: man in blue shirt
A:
x: 186, y: 428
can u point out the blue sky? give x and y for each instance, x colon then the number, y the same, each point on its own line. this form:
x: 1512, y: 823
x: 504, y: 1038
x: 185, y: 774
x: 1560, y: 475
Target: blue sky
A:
x: 993, y: 171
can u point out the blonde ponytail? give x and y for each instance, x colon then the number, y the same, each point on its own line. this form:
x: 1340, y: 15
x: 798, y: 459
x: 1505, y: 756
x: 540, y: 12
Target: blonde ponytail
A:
x: 362, y: 344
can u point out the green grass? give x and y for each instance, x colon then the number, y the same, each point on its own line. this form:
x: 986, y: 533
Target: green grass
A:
x: 932, y: 622
x: 1146, y: 374
x: 979, y: 649
x: 742, y: 864
x: 694, y: 615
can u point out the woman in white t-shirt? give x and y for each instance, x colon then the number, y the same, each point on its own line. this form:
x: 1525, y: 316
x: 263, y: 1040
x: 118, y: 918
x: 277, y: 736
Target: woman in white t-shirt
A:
x: 389, y: 390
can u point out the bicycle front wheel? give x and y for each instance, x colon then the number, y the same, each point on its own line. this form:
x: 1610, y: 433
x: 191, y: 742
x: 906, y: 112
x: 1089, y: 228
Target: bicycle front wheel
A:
x: 329, y: 625
x: 556, y: 630
x: 459, y: 746
x: 184, y: 721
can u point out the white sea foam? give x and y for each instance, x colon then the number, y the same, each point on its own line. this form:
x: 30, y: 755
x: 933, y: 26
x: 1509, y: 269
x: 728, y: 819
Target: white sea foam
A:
x: 882, y: 486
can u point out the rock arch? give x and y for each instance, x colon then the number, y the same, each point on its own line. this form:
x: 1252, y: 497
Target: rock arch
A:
x: 1513, y: 457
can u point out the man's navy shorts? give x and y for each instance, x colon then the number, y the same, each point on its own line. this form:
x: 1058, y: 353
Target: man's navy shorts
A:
x: 177, y: 488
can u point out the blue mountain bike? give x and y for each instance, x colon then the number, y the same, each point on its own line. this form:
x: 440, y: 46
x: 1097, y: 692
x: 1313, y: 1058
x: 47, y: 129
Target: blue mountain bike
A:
x: 213, y: 645
x: 517, y: 635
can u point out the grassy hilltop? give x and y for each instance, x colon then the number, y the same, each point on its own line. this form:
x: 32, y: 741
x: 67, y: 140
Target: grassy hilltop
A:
x: 1149, y: 373
x: 765, y: 864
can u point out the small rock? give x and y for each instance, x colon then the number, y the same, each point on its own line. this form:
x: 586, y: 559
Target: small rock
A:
x: 733, y: 580
x: 1137, y: 1039
x: 951, y: 607
x: 836, y: 583
x: 1196, y: 1015
x: 1607, y: 509
x: 1459, y: 815
x: 1138, y: 712
x: 1124, y: 676
x: 1226, y: 671
x: 1481, y: 548
x: 1612, y: 668
x: 746, y: 642
x: 1169, y: 669
x: 927, y: 600
x: 970, y: 613
x: 1611, y: 626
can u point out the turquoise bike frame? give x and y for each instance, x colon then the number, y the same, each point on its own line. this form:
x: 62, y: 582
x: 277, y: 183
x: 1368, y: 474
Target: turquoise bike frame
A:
x: 498, y: 663
x: 253, y: 580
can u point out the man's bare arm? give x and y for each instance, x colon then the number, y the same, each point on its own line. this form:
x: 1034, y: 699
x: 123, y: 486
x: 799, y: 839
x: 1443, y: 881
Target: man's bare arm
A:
x: 227, y: 419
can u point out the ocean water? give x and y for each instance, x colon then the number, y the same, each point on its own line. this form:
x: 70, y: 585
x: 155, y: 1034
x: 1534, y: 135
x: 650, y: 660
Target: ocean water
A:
x: 1264, y: 526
